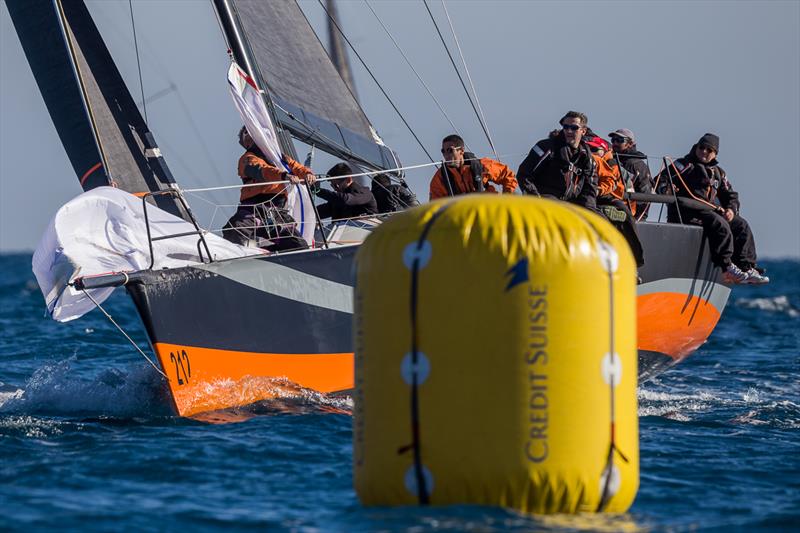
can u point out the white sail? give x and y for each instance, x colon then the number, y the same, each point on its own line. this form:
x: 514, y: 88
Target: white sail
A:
x: 103, y: 231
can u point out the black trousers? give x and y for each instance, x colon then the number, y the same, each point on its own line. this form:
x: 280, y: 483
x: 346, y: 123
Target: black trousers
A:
x: 627, y: 227
x: 730, y: 242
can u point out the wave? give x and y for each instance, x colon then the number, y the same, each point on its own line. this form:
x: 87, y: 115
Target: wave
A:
x: 752, y: 407
x: 140, y: 392
x: 775, y: 304
x: 59, y: 390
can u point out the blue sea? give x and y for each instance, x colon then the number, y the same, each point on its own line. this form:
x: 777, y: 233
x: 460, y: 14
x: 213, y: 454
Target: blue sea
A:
x: 87, y: 440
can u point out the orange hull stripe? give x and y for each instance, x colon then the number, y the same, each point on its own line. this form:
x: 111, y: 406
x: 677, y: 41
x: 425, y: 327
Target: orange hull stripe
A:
x: 205, y: 379
x: 669, y: 325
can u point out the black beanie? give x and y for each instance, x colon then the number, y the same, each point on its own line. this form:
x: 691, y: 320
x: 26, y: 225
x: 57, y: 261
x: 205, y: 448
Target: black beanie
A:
x: 709, y: 139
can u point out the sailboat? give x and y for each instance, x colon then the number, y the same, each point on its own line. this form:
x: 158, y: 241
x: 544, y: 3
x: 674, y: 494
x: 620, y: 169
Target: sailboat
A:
x: 223, y: 325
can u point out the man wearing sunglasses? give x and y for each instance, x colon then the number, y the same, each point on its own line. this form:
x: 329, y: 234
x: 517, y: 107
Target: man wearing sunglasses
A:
x: 624, y: 144
x: 561, y: 166
x: 463, y: 172
x: 700, y: 178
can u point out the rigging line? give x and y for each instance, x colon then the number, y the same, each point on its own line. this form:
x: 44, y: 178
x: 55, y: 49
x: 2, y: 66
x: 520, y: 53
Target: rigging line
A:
x: 100, y: 307
x: 357, y: 175
x: 469, y: 77
x: 138, y: 63
x: 376, y: 81
x: 413, y: 69
x: 453, y: 62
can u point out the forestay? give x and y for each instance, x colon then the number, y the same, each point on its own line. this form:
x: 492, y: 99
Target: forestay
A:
x: 103, y: 231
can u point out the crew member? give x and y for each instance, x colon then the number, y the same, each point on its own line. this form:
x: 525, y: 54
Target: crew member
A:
x: 623, y: 142
x: 561, y: 166
x: 348, y: 199
x: 611, y: 195
x: 262, y: 217
x: 729, y: 236
x: 392, y: 197
x: 464, y: 173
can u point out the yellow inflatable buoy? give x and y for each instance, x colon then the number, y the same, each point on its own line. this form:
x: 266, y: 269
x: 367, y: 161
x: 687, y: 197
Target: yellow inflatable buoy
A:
x: 495, y: 345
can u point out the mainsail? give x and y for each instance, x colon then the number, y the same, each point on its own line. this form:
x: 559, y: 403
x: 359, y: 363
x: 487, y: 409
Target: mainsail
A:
x: 312, y: 101
x: 106, y: 138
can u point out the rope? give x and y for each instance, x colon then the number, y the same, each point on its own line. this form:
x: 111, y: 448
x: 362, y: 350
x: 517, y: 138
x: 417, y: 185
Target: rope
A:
x: 333, y: 20
x: 123, y: 331
x: 469, y: 77
x: 453, y: 62
x: 138, y: 64
x: 408, y: 62
x: 688, y: 190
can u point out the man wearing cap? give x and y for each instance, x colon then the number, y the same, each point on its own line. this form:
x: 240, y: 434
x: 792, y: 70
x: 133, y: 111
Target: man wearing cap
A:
x: 611, y: 195
x: 623, y: 142
x: 700, y: 178
x: 561, y: 166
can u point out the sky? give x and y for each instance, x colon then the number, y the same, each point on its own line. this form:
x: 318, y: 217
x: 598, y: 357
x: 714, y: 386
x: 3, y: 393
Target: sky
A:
x: 669, y: 71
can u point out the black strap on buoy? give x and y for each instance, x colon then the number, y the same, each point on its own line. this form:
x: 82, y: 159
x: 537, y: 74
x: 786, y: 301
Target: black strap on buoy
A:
x: 422, y: 487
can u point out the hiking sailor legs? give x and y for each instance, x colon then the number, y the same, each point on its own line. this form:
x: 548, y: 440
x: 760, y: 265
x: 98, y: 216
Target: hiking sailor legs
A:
x: 464, y: 173
x: 561, y: 166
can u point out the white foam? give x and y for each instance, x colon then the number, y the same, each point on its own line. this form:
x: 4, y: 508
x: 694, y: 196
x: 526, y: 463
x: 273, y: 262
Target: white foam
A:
x: 776, y: 304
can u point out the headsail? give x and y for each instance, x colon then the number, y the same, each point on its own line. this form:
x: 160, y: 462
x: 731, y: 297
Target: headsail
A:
x: 312, y: 101
x: 106, y: 139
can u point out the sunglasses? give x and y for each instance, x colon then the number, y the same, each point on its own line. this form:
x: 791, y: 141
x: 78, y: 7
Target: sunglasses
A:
x: 619, y: 140
x: 706, y: 147
x: 451, y: 150
x: 571, y: 127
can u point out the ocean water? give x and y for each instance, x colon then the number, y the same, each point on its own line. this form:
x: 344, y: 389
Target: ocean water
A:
x: 87, y: 440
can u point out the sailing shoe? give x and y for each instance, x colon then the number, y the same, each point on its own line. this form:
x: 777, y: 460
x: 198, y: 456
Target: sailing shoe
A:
x: 734, y: 275
x: 754, y: 277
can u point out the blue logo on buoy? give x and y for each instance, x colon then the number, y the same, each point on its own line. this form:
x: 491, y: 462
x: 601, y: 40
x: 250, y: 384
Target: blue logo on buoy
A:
x: 518, y: 273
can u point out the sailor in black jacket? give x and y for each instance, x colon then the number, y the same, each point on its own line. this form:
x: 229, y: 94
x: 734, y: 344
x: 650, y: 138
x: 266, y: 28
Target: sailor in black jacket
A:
x: 634, y: 161
x: 348, y: 198
x: 561, y: 166
x: 729, y: 236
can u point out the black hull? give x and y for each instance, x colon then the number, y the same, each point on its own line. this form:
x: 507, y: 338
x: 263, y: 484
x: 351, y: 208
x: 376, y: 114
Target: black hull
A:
x: 231, y: 316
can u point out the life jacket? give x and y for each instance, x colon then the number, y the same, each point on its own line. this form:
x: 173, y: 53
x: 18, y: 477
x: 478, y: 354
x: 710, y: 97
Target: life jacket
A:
x: 475, y: 167
x: 575, y: 169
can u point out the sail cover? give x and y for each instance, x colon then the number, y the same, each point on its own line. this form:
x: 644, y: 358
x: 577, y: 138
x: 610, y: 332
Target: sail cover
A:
x: 249, y: 102
x: 312, y: 100
x: 106, y: 139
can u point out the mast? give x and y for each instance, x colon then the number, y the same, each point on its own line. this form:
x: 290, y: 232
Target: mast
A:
x: 242, y: 54
x: 337, y: 49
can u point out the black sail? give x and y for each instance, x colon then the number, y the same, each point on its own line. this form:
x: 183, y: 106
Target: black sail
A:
x: 105, y: 136
x: 312, y: 101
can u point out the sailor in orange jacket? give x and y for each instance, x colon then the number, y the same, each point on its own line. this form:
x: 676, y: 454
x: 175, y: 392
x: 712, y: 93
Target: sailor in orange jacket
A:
x: 611, y: 195
x: 262, y: 218
x: 461, y: 169
x: 254, y: 168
